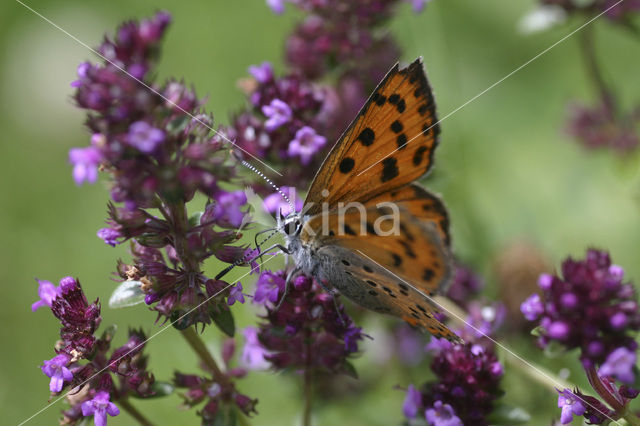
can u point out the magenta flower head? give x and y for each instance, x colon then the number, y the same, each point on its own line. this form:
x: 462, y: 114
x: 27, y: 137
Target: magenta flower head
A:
x: 589, y: 307
x: 56, y: 368
x: 412, y: 403
x: 307, y: 331
x: 85, y: 163
x: 144, y: 137
x: 278, y: 113
x: 253, y: 353
x: 99, y: 407
x: 306, y: 144
x: 46, y: 292
x: 571, y: 406
x: 274, y: 203
x: 467, y: 384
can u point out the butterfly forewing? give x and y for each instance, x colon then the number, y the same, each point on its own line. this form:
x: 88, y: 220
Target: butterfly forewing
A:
x: 389, y: 144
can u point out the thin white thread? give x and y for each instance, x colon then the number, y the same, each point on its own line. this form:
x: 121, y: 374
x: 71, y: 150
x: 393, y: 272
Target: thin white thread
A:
x: 165, y: 327
x: 77, y: 40
x: 259, y: 173
x: 494, y: 84
x: 515, y: 355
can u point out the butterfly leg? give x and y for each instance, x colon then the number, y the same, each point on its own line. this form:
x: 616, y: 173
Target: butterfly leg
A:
x: 287, y: 283
x: 332, y: 292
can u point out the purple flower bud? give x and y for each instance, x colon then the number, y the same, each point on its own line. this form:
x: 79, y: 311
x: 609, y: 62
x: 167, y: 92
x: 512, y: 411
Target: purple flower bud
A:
x: 109, y: 236
x: 278, y: 113
x: 412, y: 403
x: 306, y: 144
x: 532, y: 308
x: 442, y: 415
x: 46, y: 292
x: 253, y: 353
x: 569, y: 300
x: 619, y: 364
x: 262, y: 73
x: 144, y: 137
x: 277, y: 6
x: 418, y: 5
x: 268, y: 288
x: 571, y: 406
x: 619, y: 320
x: 226, y: 210
x: 545, y: 281
x: 235, y: 295
x: 274, y: 203
x: 558, y: 330
x: 99, y: 407
x: 56, y: 368
x: 85, y: 163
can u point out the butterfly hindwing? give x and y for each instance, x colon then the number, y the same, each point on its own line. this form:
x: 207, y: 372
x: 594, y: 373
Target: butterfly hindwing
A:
x: 389, y: 144
x: 409, y: 247
x: 376, y: 288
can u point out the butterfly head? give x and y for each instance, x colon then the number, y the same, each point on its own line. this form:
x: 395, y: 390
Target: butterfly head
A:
x: 291, y: 224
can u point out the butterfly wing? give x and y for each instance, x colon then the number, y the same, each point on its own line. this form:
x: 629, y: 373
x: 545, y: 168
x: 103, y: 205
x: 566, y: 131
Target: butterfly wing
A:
x: 374, y: 287
x: 403, y: 262
x: 389, y: 144
x: 421, y: 204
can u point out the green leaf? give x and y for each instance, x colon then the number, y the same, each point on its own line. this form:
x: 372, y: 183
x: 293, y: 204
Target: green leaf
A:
x: 159, y: 388
x: 129, y: 293
x: 194, y: 219
x: 179, y: 320
x: 537, y: 331
x: 224, y: 320
x: 349, y: 370
x: 178, y: 124
x: 507, y: 415
x: 109, y: 332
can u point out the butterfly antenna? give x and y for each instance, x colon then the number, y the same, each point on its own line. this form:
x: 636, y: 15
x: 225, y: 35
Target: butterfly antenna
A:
x: 270, y: 182
x: 245, y: 258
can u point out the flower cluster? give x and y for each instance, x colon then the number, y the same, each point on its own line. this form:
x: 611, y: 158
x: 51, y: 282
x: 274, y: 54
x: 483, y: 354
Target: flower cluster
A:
x: 465, y: 285
x: 589, y: 307
x: 310, y: 330
x: 288, y: 120
x: 466, y: 386
x: 156, y: 145
x: 217, y: 391
x: 82, y: 363
x: 602, y: 127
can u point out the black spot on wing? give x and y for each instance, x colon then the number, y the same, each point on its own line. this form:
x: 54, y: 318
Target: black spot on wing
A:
x: 372, y: 283
x: 418, y: 156
x: 348, y: 230
x: 367, y: 136
x: 401, y: 141
x: 367, y: 268
x: 397, y: 126
x: 346, y: 165
x: 389, y: 169
x: 397, y: 260
x: 428, y: 274
x: 345, y: 263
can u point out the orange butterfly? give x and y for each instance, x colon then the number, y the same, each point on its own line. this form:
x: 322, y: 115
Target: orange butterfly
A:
x: 373, y: 168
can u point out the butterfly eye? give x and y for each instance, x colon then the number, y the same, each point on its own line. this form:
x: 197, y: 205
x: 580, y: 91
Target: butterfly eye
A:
x: 292, y: 228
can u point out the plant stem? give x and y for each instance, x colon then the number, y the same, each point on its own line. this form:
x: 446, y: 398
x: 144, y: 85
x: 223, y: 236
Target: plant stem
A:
x: 205, y: 356
x: 631, y: 418
x: 308, y: 397
x: 593, y: 68
x: 601, y: 389
x: 133, y: 411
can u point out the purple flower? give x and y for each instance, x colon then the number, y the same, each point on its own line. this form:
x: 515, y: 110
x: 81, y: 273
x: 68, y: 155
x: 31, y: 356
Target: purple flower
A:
x: 620, y: 364
x: 587, y: 307
x: 253, y: 353
x: 571, y: 406
x: 47, y: 292
x: 418, y: 5
x: 268, y: 288
x: 226, y: 210
x: 274, y: 203
x: 278, y: 113
x: 412, y: 403
x: 82, y: 70
x: 99, y: 407
x: 532, y: 308
x: 442, y: 415
x: 56, y: 368
x: 277, y: 6
x: 85, y: 163
x: 262, y: 73
x: 235, y: 295
x: 306, y: 144
x: 109, y: 236
x: 144, y: 137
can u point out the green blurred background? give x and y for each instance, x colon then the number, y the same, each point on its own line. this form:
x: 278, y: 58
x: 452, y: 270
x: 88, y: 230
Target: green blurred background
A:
x: 505, y: 168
